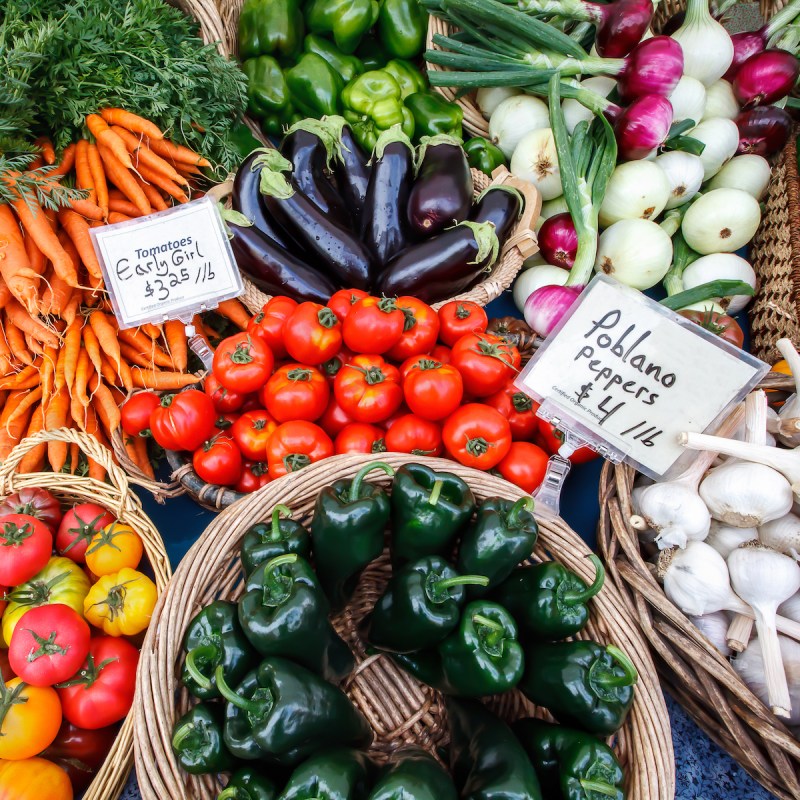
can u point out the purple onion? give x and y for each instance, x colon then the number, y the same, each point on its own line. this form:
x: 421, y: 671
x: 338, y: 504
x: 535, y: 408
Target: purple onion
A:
x: 766, y: 77
x: 643, y: 126
x: 621, y: 26
x: 545, y: 307
x: 763, y: 130
x: 558, y: 241
x: 654, y: 67
x: 745, y: 44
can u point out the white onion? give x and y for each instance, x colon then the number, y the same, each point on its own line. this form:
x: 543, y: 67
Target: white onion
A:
x: 721, y: 101
x: 558, y: 205
x: 684, y: 173
x: 534, y: 278
x: 721, y: 139
x: 535, y: 159
x: 721, y: 221
x: 636, y: 252
x: 688, y: 100
x: 707, y: 46
x: 747, y: 172
x: 636, y: 190
x: 575, y: 112
x: 721, y: 266
x: 488, y: 99
x: 515, y: 117
x: 705, y: 306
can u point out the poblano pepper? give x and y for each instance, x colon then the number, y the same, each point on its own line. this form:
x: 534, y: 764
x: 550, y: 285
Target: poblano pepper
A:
x: 425, y: 666
x: 347, y: 531
x: 214, y: 638
x: 428, y: 511
x: 402, y: 27
x: 547, y: 600
x: 483, y: 656
x: 413, y: 774
x: 433, y: 115
x: 268, y: 96
x: 420, y: 606
x: 281, y: 713
x: 197, y: 741
x: 249, y: 784
x: 571, y: 764
x: 335, y: 774
x: 348, y: 20
x: 486, y: 760
x: 581, y: 683
x: 315, y: 86
x: 408, y: 77
x: 284, y: 612
x: 270, y: 27
x: 502, y: 534
x: 346, y: 66
x: 266, y: 540
x: 483, y: 155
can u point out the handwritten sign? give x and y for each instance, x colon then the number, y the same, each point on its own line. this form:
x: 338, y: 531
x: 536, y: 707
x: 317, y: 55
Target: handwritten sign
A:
x: 168, y: 265
x: 625, y: 372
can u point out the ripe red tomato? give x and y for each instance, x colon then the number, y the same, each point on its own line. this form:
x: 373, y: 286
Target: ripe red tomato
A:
x: 368, y: 389
x: 224, y: 422
x: 458, y: 318
x: 721, y: 325
x: 80, y: 753
x: 312, y: 334
x: 334, y: 418
x: 218, y: 461
x: 251, y: 433
x: 330, y: 368
x: 183, y: 421
x: 295, y: 445
x: 433, y: 390
x: 415, y: 435
x: 374, y: 325
x: 477, y: 436
x: 486, y: 363
x: 243, y: 363
x: 102, y: 691
x: 341, y: 302
x: 34, y: 502
x: 296, y: 392
x: 441, y: 353
x: 268, y: 324
x: 51, y: 646
x: 402, y: 410
x: 26, y: 544
x: 78, y: 527
x: 551, y: 439
x: 255, y: 474
x: 419, y: 332
x: 524, y: 466
x: 135, y: 412
x: 225, y: 401
x: 518, y: 409
x: 360, y: 437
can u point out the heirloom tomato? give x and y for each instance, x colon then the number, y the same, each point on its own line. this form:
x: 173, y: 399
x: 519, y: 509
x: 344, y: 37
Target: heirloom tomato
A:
x: 243, y: 363
x: 486, y: 363
x: 368, y: 388
x: 342, y: 302
x: 477, y: 436
x: 721, y: 325
x: 360, y: 437
x: 34, y: 779
x: 518, y: 409
x: 296, y: 392
x: 34, y: 502
x: 459, y: 317
x: 524, y: 465
x: 135, y: 413
x: 268, y: 324
x: 415, y: 435
x: 26, y: 544
x: 295, y: 445
x: 420, y: 329
x: 122, y: 603
x: 374, y: 325
x: 432, y: 390
x: 225, y: 401
x: 312, y: 334
x: 116, y: 546
x: 183, y: 421
x: 251, y: 433
x: 79, y: 752
x: 30, y: 717
x: 78, y: 527
x: 219, y: 460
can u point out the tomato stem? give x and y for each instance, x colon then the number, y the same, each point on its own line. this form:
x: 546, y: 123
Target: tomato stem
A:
x: 14, y: 535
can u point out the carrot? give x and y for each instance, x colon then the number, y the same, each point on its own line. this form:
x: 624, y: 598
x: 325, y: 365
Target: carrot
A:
x: 92, y: 348
x: 147, y: 379
x: 11, y: 433
x: 145, y: 346
x: 94, y: 294
x: 67, y: 161
x: 48, y: 373
x: 105, y: 404
x: 5, y: 293
x: 169, y: 186
x: 70, y: 311
x: 31, y: 325
x: 107, y: 371
x: 125, y: 375
x: 77, y: 412
x: 46, y: 146
x: 34, y: 459
x: 135, y: 357
x: 235, y: 312
x: 15, y: 268
x: 74, y: 457
x: 177, y: 153
x: 142, y: 459
x: 96, y: 470
x: 55, y: 417
x: 132, y: 122
x: 124, y: 207
x: 34, y: 346
x: 98, y: 178
x: 83, y: 375
x: 145, y: 157
x: 16, y: 342
x: 123, y: 179
x: 153, y: 195
x: 30, y: 399
x: 151, y: 330
x: 78, y: 230
x: 72, y: 347
x: 115, y: 217
x: 86, y: 208
x: 106, y: 335
x: 36, y: 258
x: 105, y: 136
x: 20, y: 379
x: 189, y: 170
x: 83, y: 173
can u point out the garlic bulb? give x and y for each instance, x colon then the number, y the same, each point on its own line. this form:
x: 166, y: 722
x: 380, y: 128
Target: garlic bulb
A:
x: 684, y: 173
x: 790, y: 411
x: 714, y: 627
x: 726, y: 538
x: 783, y: 535
x: 791, y: 608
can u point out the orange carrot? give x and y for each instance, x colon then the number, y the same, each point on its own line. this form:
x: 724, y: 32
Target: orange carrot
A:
x: 15, y: 268
x: 147, y: 379
x: 83, y: 174
x: 98, y: 178
x: 11, y: 433
x: 177, y: 346
x: 123, y: 179
x: 78, y: 230
x: 142, y: 459
x: 142, y: 156
x: 107, y: 371
x: 177, y: 153
x: 123, y: 207
x: 5, y: 292
x: 67, y: 161
x: 48, y: 373
x: 92, y: 348
x: 72, y: 349
x: 21, y: 379
x: 77, y: 412
x: 189, y: 170
x: 30, y: 399
x: 106, y: 336
x: 134, y: 356
x: 167, y: 185
x: 145, y: 346
x: 34, y: 345
x: 96, y: 470
x: 16, y: 342
x: 125, y: 375
x: 151, y: 330
x: 105, y: 404
x: 36, y: 258
x: 83, y: 375
x: 235, y: 312
x: 70, y: 311
x: 74, y: 457
x: 131, y: 122
x: 115, y: 217
x: 153, y: 195
x: 105, y: 136
x: 55, y: 417
x: 31, y: 325
x: 46, y: 146
x: 34, y: 459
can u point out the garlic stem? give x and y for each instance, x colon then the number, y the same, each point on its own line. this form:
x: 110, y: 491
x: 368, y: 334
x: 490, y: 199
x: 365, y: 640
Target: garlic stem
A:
x: 740, y: 631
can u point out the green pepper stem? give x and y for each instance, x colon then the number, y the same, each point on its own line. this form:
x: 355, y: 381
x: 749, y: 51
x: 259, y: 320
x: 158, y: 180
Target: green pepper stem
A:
x: 461, y: 580
x: 206, y: 651
x: 523, y: 504
x: 435, y: 492
x: 234, y: 699
x: 479, y: 619
x: 628, y: 679
x: 276, y: 519
x: 355, y: 486
x: 229, y: 793
x: 279, y: 561
x: 181, y: 734
x: 601, y: 787
x: 578, y: 598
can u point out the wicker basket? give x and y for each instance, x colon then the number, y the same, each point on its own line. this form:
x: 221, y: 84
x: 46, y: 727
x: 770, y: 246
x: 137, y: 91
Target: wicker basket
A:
x: 117, y: 498
x: 399, y: 709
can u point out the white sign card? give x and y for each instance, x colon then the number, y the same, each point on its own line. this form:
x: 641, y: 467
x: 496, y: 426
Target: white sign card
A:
x: 628, y: 376
x: 169, y: 265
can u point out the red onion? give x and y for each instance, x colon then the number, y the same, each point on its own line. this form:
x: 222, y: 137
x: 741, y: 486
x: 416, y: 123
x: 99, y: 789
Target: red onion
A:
x: 643, y: 126
x: 558, y: 240
x: 763, y: 130
x: 766, y: 77
x: 622, y: 25
x: 654, y: 67
x: 745, y: 44
x: 546, y: 306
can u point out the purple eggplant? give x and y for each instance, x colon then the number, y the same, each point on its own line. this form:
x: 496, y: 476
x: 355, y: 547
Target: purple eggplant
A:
x: 442, y: 193
x: 350, y: 169
x: 500, y: 205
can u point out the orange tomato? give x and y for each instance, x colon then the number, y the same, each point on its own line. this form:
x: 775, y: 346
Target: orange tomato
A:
x: 30, y: 717
x: 33, y: 779
x: 116, y: 546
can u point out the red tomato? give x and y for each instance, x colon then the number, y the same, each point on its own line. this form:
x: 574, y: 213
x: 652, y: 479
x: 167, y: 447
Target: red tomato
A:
x: 80, y: 753
x: 334, y: 418
x: 183, y: 421
x: 251, y: 433
x: 50, y: 646
x: 312, y: 334
x: 218, y: 461
x: 368, y: 389
x: 458, y: 318
x: 330, y: 368
x: 360, y: 437
x: 295, y: 445
x: 402, y: 410
x: 518, y: 409
x: 224, y: 400
x: 477, y: 436
x: 441, y: 353
x: 135, y: 412
x: 268, y: 324
x: 79, y: 525
x: 486, y: 363
x: 224, y: 422
x: 26, y: 544
x: 433, y: 390
x: 415, y: 435
x: 102, y: 692
x: 420, y: 330
x: 255, y: 474
x: 374, y: 325
x: 296, y: 392
x: 524, y: 466
x: 551, y: 439
x: 251, y: 403
x: 34, y: 502
x: 721, y: 325
x: 243, y: 363
x: 342, y: 301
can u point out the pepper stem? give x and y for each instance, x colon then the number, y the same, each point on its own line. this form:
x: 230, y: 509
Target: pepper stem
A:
x: 628, y: 679
x: 601, y: 787
x: 234, y: 699
x: 182, y: 734
x: 279, y: 561
x: 355, y: 486
x: 523, y: 504
x: 229, y: 793
x: 206, y: 651
x: 276, y: 518
x: 577, y: 598
x: 435, y: 492
x: 461, y: 580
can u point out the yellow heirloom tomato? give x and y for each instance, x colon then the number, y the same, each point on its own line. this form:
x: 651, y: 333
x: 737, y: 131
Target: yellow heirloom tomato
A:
x: 30, y: 717
x: 115, y: 547
x: 122, y: 603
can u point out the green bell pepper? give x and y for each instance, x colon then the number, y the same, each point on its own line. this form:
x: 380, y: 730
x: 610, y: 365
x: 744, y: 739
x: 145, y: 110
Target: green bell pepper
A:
x: 425, y: 666
x: 266, y: 540
x: 486, y: 759
x: 408, y: 77
x: 433, y: 115
x: 402, y: 27
x: 372, y: 53
x: 581, y: 683
x: 346, y: 66
x: 571, y: 764
x: 197, y: 741
x: 284, y: 612
x: 214, y: 638
x: 347, y: 20
x: 249, y: 784
x: 270, y: 27
x: 428, y: 511
x: 315, y: 86
x: 413, y: 774
x: 547, y: 600
x: 281, y: 713
x: 268, y: 96
x: 347, y: 531
x: 483, y: 655
x: 502, y: 534
x: 336, y: 774
x: 483, y: 155
x: 420, y: 606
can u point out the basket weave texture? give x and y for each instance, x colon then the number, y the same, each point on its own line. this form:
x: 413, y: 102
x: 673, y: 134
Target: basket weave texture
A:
x: 399, y: 709
x: 110, y: 779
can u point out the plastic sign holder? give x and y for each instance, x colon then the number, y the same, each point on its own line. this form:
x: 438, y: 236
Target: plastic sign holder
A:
x: 625, y: 376
x: 169, y: 265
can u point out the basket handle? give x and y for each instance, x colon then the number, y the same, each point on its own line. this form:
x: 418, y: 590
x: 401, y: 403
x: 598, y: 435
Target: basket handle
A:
x: 523, y: 237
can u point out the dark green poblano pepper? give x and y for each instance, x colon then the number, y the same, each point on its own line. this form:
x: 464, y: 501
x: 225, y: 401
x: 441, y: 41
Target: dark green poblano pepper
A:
x: 266, y: 540
x: 197, y: 741
x: 413, y: 774
x: 425, y: 666
x: 483, y: 155
x: 338, y: 773
x: 249, y: 784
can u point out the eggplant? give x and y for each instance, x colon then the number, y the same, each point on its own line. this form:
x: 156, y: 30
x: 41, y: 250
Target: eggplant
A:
x: 500, y: 205
x: 351, y: 169
x: 442, y: 193
x: 383, y: 227
x: 442, y: 266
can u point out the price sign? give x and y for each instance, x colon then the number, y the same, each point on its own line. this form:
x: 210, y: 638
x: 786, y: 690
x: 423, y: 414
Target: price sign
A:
x: 168, y: 265
x: 627, y: 375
